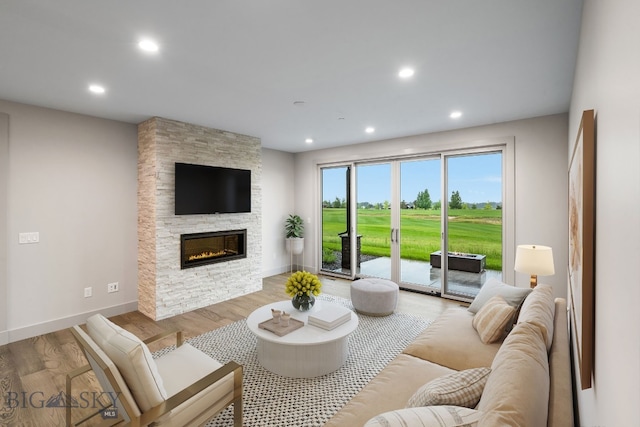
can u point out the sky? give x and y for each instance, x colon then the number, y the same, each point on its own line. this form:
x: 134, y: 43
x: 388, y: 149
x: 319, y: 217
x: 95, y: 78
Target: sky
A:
x: 478, y: 179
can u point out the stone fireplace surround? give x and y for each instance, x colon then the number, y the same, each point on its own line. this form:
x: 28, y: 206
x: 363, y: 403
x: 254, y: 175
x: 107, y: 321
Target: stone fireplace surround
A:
x: 164, y: 288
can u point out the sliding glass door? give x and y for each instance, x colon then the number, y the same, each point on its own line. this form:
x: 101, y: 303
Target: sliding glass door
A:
x: 374, y: 218
x: 336, y: 221
x: 433, y: 224
x: 398, y: 224
x: 420, y: 222
x: 473, y: 231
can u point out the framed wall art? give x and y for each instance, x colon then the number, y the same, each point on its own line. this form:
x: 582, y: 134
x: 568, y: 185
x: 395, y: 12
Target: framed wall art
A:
x: 581, y: 266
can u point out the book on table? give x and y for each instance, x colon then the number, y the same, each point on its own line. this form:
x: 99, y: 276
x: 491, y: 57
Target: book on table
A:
x: 330, y: 317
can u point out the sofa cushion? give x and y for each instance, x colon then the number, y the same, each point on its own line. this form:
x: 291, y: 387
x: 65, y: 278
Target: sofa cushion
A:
x: 389, y: 390
x: 492, y: 319
x: 462, y: 388
x: 132, y: 358
x: 560, y: 386
x: 539, y: 308
x: 441, y: 342
x: 182, y: 367
x: 517, y: 390
x: 428, y: 416
x: 492, y: 287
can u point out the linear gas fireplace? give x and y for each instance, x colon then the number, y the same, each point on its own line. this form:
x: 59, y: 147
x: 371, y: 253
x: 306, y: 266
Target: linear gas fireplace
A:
x: 207, y: 248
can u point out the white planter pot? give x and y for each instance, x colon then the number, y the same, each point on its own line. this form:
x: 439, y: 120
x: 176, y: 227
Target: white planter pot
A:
x: 295, y: 245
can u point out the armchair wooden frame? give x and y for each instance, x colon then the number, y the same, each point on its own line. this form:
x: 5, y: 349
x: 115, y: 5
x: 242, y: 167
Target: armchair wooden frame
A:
x: 133, y: 417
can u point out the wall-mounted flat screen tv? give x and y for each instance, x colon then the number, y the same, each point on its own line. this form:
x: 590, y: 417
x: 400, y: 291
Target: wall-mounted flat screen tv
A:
x: 210, y: 190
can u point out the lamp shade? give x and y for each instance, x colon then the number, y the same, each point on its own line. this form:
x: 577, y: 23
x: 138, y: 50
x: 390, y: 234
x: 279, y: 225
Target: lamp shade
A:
x: 534, y: 259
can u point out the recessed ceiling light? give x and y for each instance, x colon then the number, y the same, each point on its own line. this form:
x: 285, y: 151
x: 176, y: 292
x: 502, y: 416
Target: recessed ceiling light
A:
x: 370, y: 129
x: 148, y: 45
x: 455, y: 114
x: 308, y: 140
x: 96, y: 89
x: 405, y: 73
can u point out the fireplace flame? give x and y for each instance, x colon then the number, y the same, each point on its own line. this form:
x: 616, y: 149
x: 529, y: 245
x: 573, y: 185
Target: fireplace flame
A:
x: 209, y: 254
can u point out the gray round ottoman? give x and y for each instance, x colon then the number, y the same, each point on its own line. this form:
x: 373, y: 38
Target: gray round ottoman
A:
x: 374, y: 297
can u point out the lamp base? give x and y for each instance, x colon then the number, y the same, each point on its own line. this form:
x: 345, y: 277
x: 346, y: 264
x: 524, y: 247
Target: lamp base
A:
x: 534, y: 281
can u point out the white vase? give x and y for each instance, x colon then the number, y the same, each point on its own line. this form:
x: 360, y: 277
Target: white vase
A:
x: 295, y: 245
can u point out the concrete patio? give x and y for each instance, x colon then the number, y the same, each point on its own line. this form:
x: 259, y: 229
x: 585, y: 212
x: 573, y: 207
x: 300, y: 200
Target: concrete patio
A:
x: 421, y: 274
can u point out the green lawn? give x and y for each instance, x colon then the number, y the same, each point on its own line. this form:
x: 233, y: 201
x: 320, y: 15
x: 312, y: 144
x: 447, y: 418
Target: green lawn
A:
x: 476, y: 231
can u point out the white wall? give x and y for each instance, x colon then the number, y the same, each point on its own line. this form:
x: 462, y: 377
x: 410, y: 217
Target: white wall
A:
x: 277, y: 204
x: 540, y: 181
x: 73, y: 179
x: 4, y: 183
x: 607, y: 80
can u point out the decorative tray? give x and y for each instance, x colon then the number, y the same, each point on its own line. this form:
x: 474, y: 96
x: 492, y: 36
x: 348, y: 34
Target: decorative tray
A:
x: 279, y: 329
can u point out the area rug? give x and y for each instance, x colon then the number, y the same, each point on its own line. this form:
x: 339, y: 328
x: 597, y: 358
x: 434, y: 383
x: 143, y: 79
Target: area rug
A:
x: 274, y: 401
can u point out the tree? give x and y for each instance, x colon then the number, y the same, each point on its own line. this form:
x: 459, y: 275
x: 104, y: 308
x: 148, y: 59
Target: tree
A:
x: 424, y: 200
x: 437, y: 205
x: 403, y: 205
x: 488, y: 207
x: 456, y: 201
x: 336, y: 203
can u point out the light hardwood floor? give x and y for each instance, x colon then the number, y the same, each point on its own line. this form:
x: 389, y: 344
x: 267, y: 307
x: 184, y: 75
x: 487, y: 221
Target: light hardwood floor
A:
x: 34, y: 369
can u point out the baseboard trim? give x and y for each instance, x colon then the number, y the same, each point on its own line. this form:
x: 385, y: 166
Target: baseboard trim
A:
x: 275, y: 271
x: 4, y: 337
x: 288, y: 269
x: 30, y: 331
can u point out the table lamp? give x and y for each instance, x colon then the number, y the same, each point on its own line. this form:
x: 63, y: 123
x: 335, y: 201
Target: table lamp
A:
x: 535, y: 260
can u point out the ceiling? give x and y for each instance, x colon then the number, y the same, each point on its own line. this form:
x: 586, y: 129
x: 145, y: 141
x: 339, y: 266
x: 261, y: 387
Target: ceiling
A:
x: 245, y: 66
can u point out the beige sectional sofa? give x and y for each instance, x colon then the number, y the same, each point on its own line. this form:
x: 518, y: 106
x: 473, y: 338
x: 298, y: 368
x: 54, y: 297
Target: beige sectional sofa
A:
x: 529, y: 383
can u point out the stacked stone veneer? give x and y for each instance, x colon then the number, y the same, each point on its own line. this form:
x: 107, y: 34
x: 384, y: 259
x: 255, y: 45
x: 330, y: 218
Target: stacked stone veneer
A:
x: 164, y: 290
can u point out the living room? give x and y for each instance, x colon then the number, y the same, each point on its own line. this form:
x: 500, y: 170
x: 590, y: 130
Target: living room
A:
x: 73, y: 178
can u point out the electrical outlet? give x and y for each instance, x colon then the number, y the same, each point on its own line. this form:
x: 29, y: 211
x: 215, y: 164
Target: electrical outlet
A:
x: 87, y: 292
x: 113, y: 287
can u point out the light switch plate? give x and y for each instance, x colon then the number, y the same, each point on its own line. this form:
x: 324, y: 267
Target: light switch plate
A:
x: 26, y: 238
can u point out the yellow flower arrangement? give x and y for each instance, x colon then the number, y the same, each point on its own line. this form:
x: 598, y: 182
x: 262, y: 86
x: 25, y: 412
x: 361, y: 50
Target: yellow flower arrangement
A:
x: 303, y: 283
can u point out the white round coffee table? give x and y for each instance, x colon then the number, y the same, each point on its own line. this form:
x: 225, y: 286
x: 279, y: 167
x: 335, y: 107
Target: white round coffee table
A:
x: 306, y: 352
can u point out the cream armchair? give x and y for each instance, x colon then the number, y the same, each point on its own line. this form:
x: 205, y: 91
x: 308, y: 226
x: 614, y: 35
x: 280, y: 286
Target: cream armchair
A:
x: 184, y: 387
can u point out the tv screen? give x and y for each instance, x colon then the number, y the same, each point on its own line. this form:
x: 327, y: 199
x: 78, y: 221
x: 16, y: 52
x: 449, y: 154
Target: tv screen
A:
x: 210, y: 190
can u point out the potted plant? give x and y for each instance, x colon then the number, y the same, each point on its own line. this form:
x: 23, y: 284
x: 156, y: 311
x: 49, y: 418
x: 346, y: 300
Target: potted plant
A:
x: 294, y: 229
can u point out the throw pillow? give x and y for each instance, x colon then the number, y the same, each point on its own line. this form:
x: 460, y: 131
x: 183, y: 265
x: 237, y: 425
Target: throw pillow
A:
x: 492, y: 287
x: 427, y: 416
x: 492, y: 319
x: 462, y: 388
